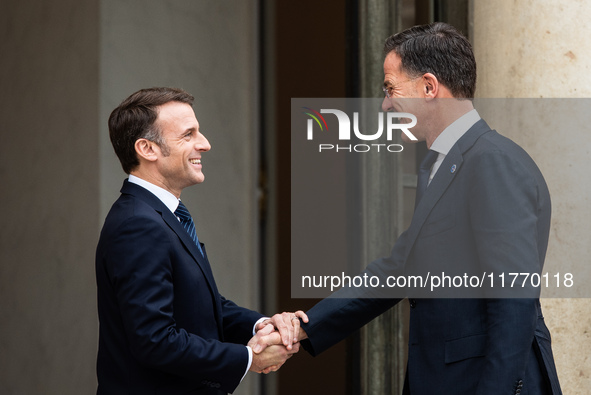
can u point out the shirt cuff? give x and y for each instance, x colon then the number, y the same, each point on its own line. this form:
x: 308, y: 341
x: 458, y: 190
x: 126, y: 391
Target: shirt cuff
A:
x: 254, y: 332
x: 250, y: 352
x: 249, y: 362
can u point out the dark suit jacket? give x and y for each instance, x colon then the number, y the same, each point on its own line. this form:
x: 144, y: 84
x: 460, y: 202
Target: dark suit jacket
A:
x: 492, y: 212
x: 164, y: 328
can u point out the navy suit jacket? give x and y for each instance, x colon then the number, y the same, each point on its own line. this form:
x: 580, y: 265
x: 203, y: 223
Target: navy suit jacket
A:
x: 164, y: 327
x: 488, y: 208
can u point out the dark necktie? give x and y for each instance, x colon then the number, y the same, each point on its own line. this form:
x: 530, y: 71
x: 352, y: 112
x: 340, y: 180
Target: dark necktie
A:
x: 183, y: 214
x: 423, y: 176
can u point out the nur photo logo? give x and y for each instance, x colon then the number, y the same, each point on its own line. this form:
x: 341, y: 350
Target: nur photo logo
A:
x: 386, y: 122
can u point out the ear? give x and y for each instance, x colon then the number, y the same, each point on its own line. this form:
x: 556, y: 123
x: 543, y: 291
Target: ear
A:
x: 431, y: 86
x: 147, y: 150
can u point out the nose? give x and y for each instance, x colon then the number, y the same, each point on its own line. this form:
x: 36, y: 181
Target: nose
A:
x: 202, y: 144
x: 387, y: 105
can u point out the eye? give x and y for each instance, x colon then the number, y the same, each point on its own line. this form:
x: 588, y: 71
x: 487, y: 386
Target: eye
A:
x: 188, y: 135
x: 388, y: 91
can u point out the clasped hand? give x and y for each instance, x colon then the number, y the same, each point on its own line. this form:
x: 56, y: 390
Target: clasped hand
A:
x: 276, y: 340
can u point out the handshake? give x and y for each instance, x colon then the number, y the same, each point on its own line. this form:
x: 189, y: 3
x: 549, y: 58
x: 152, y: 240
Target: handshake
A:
x: 276, y: 340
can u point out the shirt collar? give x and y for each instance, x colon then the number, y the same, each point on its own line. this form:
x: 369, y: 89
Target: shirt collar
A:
x: 454, y: 132
x: 166, y: 197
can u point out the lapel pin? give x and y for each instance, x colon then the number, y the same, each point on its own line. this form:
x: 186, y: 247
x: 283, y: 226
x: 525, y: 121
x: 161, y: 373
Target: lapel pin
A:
x: 453, y: 169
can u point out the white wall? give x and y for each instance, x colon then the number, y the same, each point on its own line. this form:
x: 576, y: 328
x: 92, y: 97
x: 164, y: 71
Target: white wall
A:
x: 539, y: 50
x: 49, y: 196
x: 65, y: 65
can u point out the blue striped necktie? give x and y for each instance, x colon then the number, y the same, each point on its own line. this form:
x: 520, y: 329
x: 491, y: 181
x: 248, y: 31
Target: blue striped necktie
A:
x: 185, y: 217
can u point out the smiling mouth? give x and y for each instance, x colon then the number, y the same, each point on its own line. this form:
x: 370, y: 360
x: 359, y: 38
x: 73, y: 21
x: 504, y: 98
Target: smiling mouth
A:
x: 195, y: 161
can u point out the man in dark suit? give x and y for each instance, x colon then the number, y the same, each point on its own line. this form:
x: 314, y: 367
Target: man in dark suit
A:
x: 164, y: 327
x: 485, y: 206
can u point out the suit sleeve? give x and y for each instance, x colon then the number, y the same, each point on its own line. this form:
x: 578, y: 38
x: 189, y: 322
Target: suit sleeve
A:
x: 141, y: 277
x: 333, y: 319
x: 336, y: 317
x: 504, y: 209
x: 238, y: 322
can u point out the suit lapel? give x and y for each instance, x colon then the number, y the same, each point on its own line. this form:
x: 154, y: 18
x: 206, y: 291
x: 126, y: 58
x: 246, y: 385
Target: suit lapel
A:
x: 201, y: 260
x: 449, y: 169
x: 177, y: 227
x: 203, y: 263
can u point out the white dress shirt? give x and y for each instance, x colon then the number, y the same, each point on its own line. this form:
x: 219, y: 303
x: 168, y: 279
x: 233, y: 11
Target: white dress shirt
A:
x: 450, y: 136
x: 166, y: 197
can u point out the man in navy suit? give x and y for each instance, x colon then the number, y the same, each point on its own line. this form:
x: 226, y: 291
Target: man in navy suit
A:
x: 164, y: 327
x: 485, y: 206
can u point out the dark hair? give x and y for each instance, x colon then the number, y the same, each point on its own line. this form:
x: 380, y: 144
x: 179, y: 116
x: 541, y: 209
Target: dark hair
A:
x: 135, y: 119
x: 439, y: 49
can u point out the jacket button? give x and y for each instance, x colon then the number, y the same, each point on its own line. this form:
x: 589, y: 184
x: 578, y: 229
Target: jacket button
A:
x: 413, y: 303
